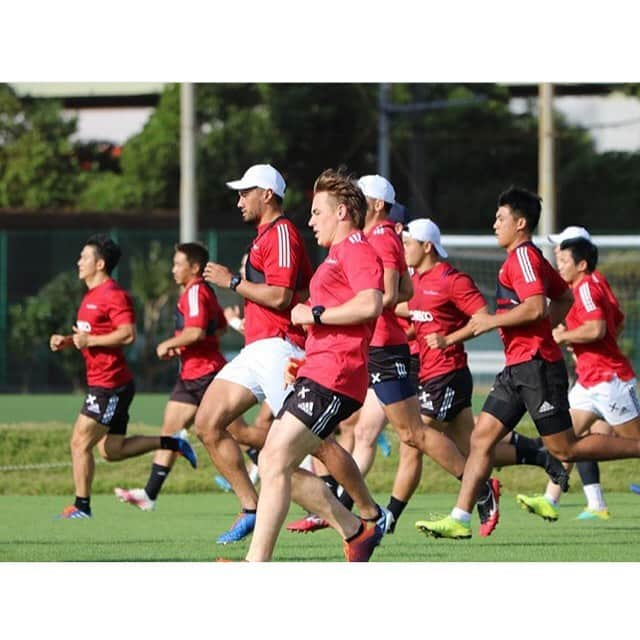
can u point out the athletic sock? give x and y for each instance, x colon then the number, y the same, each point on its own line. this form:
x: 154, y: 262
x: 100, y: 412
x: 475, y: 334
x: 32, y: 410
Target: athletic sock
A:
x: 484, y: 493
x: 518, y: 437
x: 346, y: 500
x: 169, y: 443
x: 589, y: 472
x: 595, y: 499
x: 396, y: 507
x: 248, y: 510
x: 157, y: 476
x: 84, y: 504
x: 460, y: 515
x: 528, y: 452
x: 550, y: 499
x: 332, y: 483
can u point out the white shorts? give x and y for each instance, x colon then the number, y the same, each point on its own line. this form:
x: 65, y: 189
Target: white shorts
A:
x: 614, y: 401
x: 260, y: 368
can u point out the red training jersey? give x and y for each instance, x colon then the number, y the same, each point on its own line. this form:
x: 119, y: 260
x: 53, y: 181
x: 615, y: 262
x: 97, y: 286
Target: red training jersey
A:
x: 102, y: 310
x: 443, y: 301
x: 527, y: 273
x: 277, y: 257
x: 198, y: 307
x: 387, y: 244
x: 337, y: 357
x: 597, y: 361
x: 406, y: 324
x: 599, y: 279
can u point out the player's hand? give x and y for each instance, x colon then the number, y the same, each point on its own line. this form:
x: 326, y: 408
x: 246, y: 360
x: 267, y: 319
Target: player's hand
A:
x: 559, y: 332
x: 80, y: 338
x: 435, y: 341
x: 301, y: 314
x: 291, y: 370
x: 232, y: 312
x: 57, y: 342
x: 481, y: 323
x: 164, y: 352
x: 217, y: 274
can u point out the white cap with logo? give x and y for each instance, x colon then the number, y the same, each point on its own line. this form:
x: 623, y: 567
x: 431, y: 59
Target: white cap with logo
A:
x: 425, y: 230
x: 263, y: 176
x: 377, y: 187
x: 570, y: 233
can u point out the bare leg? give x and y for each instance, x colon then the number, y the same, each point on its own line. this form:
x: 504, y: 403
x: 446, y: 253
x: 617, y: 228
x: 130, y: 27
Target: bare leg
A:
x: 370, y: 423
x: 86, y: 434
x: 177, y: 415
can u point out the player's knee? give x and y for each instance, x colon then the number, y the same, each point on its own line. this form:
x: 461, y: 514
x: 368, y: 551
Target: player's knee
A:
x: 271, y: 462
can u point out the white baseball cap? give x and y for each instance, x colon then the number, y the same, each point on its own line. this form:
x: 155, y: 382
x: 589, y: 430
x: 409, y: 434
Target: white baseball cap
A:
x: 425, y: 230
x: 263, y: 176
x: 570, y: 233
x: 377, y: 187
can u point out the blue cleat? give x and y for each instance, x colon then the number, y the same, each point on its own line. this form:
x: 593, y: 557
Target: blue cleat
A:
x: 186, y: 450
x: 223, y: 483
x: 242, y: 526
x: 72, y: 513
x: 384, y: 444
x: 635, y: 488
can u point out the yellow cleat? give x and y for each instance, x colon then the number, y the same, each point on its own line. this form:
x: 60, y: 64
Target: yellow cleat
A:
x: 538, y: 505
x: 446, y: 528
x: 592, y: 514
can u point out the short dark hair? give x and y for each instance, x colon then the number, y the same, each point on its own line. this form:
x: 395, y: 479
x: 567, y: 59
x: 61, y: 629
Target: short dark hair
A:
x: 106, y: 249
x: 196, y: 253
x: 582, y: 249
x: 524, y: 204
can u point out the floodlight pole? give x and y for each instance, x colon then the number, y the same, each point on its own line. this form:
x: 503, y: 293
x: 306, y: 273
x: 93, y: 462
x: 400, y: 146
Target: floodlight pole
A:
x: 546, y: 163
x: 383, y: 129
x: 188, y: 191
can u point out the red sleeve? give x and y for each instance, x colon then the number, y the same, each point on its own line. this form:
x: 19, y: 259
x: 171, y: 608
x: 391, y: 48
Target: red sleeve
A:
x: 281, y: 257
x: 120, y: 308
x: 201, y: 307
x: 526, y: 272
x: 465, y: 294
x: 365, y: 268
x: 388, y: 247
x: 588, y: 303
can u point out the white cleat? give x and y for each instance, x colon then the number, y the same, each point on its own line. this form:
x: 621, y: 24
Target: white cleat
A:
x: 136, y: 497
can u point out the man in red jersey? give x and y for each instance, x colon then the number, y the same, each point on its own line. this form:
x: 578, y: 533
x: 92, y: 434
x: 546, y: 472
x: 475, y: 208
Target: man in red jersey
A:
x: 606, y: 385
x: 199, y: 320
x: 535, y: 377
x: 443, y: 302
x: 331, y: 383
x: 105, y: 323
x: 278, y: 271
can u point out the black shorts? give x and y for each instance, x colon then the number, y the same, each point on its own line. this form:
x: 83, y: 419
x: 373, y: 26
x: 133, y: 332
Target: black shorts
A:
x: 110, y: 407
x: 191, y: 391
x: 414, y: 369
x: 444, y: 397
x: 389, y: 373
x: 536, y: 386
x: 318, y: 408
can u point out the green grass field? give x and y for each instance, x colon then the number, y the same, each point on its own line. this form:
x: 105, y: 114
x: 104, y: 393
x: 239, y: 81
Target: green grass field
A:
x: 35, y: 484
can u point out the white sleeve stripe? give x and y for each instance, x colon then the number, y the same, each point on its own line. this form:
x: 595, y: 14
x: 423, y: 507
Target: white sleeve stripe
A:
x: 193, y: 301
x: 525, y: 264
x: 284, y: 247
x: 585, y: 295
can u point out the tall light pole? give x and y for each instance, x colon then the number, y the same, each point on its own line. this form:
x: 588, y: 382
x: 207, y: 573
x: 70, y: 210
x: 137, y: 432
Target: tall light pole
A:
x: 383, y: 129
x: 546, y: 160
x: 188, y: 190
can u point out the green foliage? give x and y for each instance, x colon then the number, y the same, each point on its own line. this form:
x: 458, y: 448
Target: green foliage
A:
x: 38, y: 168
x: 32, y: 321
x: 108, y: 191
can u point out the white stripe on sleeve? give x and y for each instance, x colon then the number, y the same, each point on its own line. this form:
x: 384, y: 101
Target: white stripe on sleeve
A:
x: 284, y: 246
x: 192, y: 298
x: 585, y: 296
x: 525, y: 264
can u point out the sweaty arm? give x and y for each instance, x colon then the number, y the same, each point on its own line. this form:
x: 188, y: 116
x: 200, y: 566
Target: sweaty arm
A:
x: 529, y: 310
x: 364, y: 306
x: 121, y: 336
x: 589, y: 331
x: 267, y: 295
x: 189, y: 335
x: 391, y: 288
x: 559, y: 307
x: 435, y: 340
x: 405, y: 288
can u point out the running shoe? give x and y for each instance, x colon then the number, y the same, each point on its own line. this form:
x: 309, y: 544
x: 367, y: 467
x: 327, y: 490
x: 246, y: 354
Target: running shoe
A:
x: 136, y: 497
x: 635, y: 488
x: 186, y: 450
x: 360, y: 548
x: 384, y: 444
x: 223, y: 483
x: 308, y: 524
x: 489, y: 509
x: 538, y: 505
x: 594, y: 514
x: 556, y: 472
x: 242, y: 526
x: 72, y: 513
x: 445, y: 528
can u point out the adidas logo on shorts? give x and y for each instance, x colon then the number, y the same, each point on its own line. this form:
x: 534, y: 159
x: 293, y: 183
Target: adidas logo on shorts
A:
x: 306, y: 407
x: 545, y: 406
